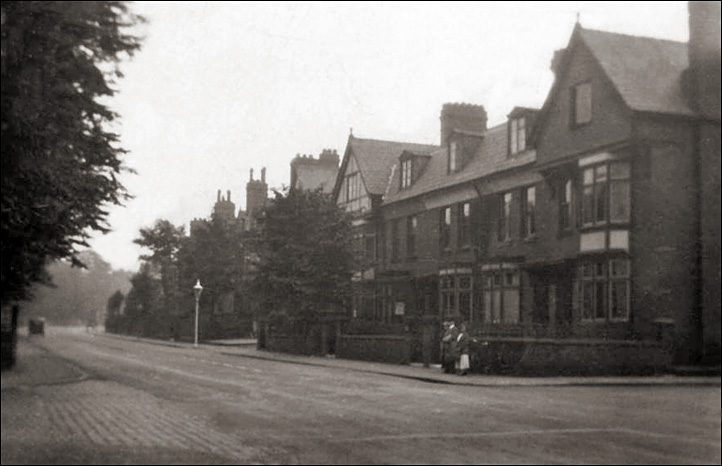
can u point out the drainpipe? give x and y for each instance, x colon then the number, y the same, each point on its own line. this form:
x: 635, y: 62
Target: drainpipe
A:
x: 696, y: 333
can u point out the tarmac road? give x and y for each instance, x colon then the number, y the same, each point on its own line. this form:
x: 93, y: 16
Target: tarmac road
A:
x: 92, y: 398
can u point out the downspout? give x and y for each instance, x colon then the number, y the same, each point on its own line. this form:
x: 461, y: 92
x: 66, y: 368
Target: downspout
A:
x: 696, y: 334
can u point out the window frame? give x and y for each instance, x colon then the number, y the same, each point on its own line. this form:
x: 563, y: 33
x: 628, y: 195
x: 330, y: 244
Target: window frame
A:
x: 445, y: 220
x: 451, y: 292
x: 578, y: 117
x: 406, y: 173
x: 599, y: 274
x: 496, y: 285
x: 411, y: 235
x: 353, y: 189
x: 453, y: 164
x: 566, y: 205
x: 517, y: 135
x: 598, y: 202
x: 528, y: 216
x: 464, y: 232
x: 504, y: 217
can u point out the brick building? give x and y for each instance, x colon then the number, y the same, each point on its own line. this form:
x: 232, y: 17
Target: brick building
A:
x: 585, y: 233
x: 224, y: 208
x: 233, y: 314
x: 310, y: 173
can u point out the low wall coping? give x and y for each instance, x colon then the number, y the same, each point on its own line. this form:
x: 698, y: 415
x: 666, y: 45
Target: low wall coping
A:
x: 376, y: 337
x: 574, y: 341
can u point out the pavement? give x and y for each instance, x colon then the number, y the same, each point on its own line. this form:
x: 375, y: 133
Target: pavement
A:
x: 38, y: 365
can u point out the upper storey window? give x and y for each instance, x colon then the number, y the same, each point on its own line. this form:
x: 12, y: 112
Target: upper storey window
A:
x: 581, y: 104
x: 606, y: 194
x: 517, y: 135
x: 406, y: 172
x: 453, y: 156
x: 353, y: 186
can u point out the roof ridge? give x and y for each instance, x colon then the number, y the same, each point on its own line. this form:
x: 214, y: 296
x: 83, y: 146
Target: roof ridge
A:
x: 633, y: 36
x: 395, y: 142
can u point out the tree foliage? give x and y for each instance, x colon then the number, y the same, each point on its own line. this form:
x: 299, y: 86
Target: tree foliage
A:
x: 163, y: 240
x: 215, y: 255
x: 60, y: 159
x: 304, y: 255
x: 145, y: 299
x: 114, y: 302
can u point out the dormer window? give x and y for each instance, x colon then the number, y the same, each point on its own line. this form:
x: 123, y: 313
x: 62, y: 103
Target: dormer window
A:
x: 517, y: 135
x: 406, y: 166
x: 453, y: 162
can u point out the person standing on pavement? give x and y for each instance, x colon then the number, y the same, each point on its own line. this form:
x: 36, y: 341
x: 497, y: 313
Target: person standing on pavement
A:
x: 448, y: 347
x: 462, y: 346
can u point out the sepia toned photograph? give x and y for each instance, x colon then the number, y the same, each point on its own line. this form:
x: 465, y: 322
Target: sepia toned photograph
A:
x: 361, y: 232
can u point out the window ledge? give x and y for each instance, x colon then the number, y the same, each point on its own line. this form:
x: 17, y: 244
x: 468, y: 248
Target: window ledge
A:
x: 574, y: 125
x: 591, y: 322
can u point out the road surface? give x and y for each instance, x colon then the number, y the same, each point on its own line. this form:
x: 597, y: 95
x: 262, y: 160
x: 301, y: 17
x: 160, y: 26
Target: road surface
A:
x: 134, y: 402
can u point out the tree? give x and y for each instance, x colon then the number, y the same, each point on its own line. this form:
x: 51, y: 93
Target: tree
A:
x: 60, y: 160
x: 214, y: 254
x: 163, y: 240
x: 143, y: 305
x: 112, y: 311
x: 303, y: 245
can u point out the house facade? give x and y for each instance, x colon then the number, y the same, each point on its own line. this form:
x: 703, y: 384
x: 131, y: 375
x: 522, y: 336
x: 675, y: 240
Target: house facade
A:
x: 584, y: 232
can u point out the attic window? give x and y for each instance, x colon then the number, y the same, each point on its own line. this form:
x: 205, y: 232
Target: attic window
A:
x: 517, y: 135
x: 453, y: 163
x: 581, y: 105
x: 406, y: 166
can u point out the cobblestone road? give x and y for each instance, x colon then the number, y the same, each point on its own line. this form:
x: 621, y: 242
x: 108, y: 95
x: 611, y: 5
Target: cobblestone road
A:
x: 84, y: 399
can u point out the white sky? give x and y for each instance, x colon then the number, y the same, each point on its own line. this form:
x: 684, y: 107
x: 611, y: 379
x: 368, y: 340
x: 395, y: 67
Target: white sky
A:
x: 220, y: 88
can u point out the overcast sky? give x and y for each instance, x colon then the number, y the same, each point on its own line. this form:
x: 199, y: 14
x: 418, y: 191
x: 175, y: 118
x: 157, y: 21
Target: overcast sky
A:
x: 220, y: 88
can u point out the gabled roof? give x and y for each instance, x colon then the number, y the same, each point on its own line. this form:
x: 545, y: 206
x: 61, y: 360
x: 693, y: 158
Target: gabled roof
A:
x: 491, y: 156
x: 646, y: 72
x: 375, y: 159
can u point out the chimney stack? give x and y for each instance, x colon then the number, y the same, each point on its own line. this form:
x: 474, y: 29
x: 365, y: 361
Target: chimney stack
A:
x: 461, y: 116
x: 703, y: 50
x: 557, y: 61
x: 263, y: 175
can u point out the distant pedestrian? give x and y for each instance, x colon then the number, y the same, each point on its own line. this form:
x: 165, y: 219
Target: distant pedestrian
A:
x: 448, y: 347
x: 462, y: 347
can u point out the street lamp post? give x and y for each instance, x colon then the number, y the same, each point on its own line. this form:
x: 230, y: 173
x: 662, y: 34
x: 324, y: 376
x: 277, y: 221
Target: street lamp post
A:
x: 197, y: 292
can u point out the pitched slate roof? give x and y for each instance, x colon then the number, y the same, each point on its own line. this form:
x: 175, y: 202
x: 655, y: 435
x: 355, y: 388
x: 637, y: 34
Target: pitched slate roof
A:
x: 376, y: 158
x: 491, y: 156
x: 647, y: 72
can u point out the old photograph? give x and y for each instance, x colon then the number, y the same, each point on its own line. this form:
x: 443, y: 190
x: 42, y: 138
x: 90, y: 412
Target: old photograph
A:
x: 361, y: 232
